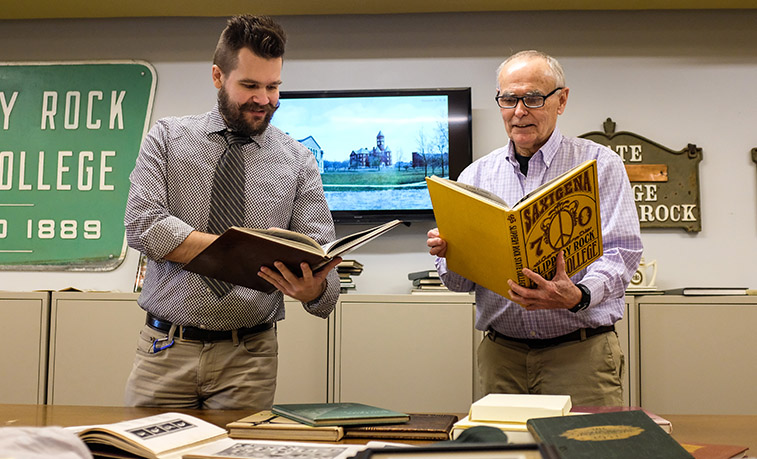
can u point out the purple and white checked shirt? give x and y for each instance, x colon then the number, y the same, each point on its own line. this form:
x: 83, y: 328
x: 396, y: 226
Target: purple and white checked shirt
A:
x: 606, y: 278
x: 170, y: 197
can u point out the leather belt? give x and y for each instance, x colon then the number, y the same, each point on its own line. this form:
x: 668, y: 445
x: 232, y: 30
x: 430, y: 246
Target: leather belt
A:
x: 199, y: 334
x: 578, y: 335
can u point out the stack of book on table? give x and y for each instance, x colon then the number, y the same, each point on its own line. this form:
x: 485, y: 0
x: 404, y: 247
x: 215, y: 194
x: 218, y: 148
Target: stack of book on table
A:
x: 347, y: 269
x: 334, y: 421
x: 509, y: 413
x: 426, y: 281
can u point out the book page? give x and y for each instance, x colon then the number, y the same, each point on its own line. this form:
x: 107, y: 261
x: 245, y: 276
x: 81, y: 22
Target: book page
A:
x: 353, y: 241
x: 486, y: 194
x: 157, y: 435
x: 483, y: 193
x: 264, y: 449
x: 549, y: 183
x: 285, y: 234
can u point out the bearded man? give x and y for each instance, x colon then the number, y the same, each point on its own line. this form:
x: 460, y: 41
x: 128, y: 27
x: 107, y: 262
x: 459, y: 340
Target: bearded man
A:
x: 209, y: 344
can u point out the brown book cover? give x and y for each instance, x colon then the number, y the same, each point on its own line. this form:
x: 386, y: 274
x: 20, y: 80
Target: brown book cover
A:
x: 264, y: 425
x: 419, y: 427
x: 712, y: 451
x: 237, y: 255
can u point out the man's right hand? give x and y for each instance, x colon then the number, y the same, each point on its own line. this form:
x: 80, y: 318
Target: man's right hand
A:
x: 438, y: 246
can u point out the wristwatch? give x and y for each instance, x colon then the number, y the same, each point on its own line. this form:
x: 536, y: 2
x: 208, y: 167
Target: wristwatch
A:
x: 585, y: 299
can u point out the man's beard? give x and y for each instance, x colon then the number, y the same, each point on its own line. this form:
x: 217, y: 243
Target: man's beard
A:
x: 233, y: 114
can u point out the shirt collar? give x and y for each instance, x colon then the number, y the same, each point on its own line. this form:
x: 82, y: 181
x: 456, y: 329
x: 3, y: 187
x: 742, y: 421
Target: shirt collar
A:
x: 548, y: 150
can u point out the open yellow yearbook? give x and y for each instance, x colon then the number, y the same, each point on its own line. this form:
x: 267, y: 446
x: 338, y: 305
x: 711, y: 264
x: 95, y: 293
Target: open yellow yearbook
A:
x: 489, y: 242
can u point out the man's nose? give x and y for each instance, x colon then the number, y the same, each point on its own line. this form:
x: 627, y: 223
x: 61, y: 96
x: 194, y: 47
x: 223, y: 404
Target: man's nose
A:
x: 520, y: 108
x: 260, y: 97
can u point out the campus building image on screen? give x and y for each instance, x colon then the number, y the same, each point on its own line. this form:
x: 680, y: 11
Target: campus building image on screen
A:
x: 373, y: 151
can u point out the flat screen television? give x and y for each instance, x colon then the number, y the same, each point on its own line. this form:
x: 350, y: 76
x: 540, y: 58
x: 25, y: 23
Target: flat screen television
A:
x: 375, y: 147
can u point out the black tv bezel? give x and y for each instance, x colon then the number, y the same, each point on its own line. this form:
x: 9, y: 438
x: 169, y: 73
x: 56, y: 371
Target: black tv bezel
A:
x: 460, y: 141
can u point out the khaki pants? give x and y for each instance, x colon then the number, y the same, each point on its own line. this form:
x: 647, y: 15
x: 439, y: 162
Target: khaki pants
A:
x: 590, y: 371
x: 199, y: 374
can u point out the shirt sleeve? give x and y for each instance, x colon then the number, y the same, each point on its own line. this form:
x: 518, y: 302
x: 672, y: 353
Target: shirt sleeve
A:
x: 608, y: 277
x: 451, y: 279
x: 311, y: 216
x: 150, y: 228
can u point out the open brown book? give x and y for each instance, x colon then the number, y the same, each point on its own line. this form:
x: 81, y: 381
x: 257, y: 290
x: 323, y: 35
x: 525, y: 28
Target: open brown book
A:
x: 237, y: 255
x: 166, y: 435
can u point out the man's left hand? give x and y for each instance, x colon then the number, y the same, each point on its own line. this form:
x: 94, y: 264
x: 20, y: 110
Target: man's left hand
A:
x: 306, y: 288
x: 559, y: 293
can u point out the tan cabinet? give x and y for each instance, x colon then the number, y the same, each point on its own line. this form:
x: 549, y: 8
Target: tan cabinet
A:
x: 93, y: 337
x: 697, y: 354
x: 627, y: 329
x: 24, y: 343
x: 303, y: 356
x: 412, y: 353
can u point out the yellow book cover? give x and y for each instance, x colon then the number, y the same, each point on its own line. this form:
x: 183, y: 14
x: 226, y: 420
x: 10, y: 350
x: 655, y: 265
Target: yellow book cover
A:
x: 489, y: 241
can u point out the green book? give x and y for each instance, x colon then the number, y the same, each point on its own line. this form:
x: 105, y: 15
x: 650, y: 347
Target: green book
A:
x: 618, y: 435
x: 338, y: 414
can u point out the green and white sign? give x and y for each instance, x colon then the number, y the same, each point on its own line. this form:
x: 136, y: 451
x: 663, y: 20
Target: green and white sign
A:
x: 69, y: 137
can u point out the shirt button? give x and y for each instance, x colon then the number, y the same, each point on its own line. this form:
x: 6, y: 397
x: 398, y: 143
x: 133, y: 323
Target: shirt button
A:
x: 203, y: 327
x: 533, y: 333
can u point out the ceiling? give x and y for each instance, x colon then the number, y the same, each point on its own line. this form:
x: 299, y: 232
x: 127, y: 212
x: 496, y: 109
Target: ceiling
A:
x: 45, y: 9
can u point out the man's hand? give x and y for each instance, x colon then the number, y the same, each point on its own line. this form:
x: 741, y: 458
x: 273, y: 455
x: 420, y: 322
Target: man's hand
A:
x: 306, y: 288
x: 559, y: 293
x: 438, y: 246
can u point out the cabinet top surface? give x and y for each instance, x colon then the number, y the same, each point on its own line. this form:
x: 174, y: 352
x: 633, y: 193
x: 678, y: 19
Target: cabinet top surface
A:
x: 704, y: 300
x: 451, y: 297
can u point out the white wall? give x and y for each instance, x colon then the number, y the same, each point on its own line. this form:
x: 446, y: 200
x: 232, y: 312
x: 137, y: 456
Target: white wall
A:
x: 673, y: 77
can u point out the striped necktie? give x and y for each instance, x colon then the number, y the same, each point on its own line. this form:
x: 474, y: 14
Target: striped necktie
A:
x: 227, y: 197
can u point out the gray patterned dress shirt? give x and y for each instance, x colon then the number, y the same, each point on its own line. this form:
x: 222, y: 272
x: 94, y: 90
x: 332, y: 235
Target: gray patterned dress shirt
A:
x: 170, y: 197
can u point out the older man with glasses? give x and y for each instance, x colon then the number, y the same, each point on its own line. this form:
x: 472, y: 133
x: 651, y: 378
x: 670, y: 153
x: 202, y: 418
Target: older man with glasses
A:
x: 559, y: 337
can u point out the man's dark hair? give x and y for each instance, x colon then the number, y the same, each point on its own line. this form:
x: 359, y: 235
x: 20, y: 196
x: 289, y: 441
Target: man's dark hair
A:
x: 260, y: 34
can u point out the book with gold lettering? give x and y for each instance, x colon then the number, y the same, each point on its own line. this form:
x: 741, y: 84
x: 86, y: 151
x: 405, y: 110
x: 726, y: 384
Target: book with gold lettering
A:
x: 489, y: 241
x: 617, y: 435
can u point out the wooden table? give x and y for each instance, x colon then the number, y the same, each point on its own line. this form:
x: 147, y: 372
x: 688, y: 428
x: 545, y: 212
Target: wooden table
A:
x: 66, y: 416
x: 712, y: 428
x: 720, y: 429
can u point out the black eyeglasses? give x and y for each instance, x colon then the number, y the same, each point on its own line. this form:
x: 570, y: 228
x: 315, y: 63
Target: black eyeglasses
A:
x: 530, y: 101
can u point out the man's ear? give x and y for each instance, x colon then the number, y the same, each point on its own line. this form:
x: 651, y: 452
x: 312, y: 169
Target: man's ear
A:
x: 563, y: 100
x: 217, y: 75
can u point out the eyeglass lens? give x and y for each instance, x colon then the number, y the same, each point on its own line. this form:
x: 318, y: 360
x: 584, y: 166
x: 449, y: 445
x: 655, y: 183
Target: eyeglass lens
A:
x: 528, y: 101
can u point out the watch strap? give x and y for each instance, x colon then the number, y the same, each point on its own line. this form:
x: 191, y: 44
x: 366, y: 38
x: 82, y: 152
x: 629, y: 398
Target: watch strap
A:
x: 585, y: 299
